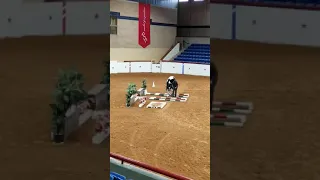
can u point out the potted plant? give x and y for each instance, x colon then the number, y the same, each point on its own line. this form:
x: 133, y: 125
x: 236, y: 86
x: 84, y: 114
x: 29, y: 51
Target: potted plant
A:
x: 144, y: 84
x: 143, y: 89
x: 69, y: 91
x: 132, y: 89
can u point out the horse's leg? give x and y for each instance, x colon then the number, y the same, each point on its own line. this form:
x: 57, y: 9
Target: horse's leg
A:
x: 213, y: 82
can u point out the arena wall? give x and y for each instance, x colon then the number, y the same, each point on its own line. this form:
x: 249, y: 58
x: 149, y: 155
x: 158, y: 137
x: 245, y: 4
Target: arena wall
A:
x: 194, y: 19
x: 5, y: 4
x: 45, y: 19
x: 174, y: 51
x: 161, y: 3
x: 163, y: 67
x: 265, y: 24
x: 124, y: 45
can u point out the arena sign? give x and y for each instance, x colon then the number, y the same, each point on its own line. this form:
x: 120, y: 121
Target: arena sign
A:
x: 144, y: 25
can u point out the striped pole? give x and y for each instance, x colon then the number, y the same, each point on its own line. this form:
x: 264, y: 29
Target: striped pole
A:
x: 158, y: 94
x: 174, y: 99
x: 231, y: 110
x: 234, y: 105
x: 183, y: 95
x: 227, y: 124
x: 64, y: 17
x: 228, y: 118
x: 166, y: 94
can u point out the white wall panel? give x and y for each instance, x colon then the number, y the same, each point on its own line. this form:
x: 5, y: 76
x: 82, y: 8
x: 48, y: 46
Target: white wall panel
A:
x: 170, y: 67
x: 267, y: 25
x: 163, y: 67
x: 156, y: 68
x: 88, y: 18
x: 41, y: 19
x: 123, y: 67
x: 221, y: 21
x: 113, y: 67
x: 10, y: 10
x: 141, y: 67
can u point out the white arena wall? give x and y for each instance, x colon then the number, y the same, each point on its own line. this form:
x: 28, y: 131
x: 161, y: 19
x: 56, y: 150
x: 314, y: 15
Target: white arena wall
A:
x: 45, y: 19
x: 264, y: 24
x: 124, y: 45
x: 163, y: 67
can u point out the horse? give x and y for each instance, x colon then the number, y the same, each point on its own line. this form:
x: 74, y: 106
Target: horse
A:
x: 172, y: 85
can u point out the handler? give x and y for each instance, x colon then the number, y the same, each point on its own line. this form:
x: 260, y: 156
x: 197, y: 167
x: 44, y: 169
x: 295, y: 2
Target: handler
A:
x: 172, y: 85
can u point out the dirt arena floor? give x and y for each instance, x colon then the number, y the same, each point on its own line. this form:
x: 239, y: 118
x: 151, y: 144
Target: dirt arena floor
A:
x: 281, y: 139
x: 175, y: 138
x: 27, y: 74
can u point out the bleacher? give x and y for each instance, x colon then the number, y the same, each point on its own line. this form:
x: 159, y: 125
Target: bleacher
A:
x: 195, y: 53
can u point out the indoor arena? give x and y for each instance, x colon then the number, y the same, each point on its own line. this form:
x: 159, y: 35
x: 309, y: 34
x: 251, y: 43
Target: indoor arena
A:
x: 163, y: 135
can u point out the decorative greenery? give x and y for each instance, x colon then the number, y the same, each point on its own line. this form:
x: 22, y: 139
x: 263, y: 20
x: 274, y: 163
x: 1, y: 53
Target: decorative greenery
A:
x: 144, y: 84
x: 69, y: 90
x: 132, y: 89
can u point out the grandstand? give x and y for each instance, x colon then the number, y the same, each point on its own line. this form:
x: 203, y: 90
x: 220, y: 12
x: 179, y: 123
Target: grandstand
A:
x: 195, y: 53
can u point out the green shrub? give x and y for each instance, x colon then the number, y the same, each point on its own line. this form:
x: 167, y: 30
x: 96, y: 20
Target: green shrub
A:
x: 144, y: 84
x: 69, y: 90
x: 131, y: 90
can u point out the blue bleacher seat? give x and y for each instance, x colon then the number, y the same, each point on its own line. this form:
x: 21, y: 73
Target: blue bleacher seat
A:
x: 116, y: 176
x: 195, y: 53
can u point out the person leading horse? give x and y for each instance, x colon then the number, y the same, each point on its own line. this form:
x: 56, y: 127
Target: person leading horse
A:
x: 172, y: 85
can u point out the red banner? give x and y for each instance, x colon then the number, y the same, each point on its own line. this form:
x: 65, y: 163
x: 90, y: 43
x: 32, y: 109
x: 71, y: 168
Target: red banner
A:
x: 144, y: 25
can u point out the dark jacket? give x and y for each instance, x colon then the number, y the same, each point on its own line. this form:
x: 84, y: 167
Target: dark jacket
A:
x: 172, y: 85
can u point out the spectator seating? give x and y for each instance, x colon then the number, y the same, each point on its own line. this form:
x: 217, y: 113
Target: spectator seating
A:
x: 195, y: 53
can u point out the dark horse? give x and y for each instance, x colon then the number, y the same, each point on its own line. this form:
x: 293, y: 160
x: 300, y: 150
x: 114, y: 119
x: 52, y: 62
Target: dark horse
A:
x: 213, y: 82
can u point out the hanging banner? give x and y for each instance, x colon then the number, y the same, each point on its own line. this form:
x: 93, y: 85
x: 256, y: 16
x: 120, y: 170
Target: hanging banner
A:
x: 144, y: 25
